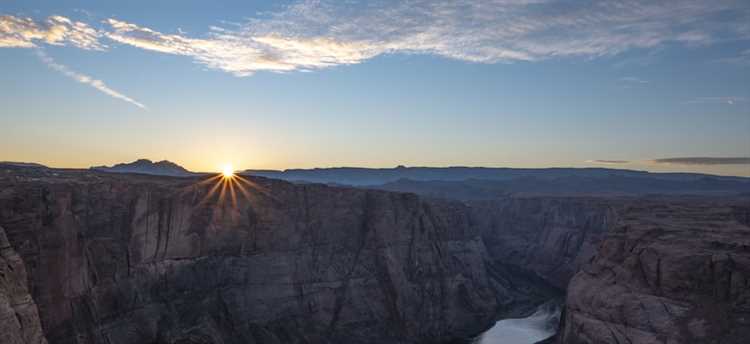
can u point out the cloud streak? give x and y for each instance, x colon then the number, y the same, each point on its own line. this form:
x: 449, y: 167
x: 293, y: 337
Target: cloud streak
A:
x: 85, y: 79
x: 18, y: 32
x: 743, y: 58
x: 704, y: 161
x: 242, y: 55
x: 633, y: 80
x: 717, y: 100
x: 311, y: 34
x: 608, y: 162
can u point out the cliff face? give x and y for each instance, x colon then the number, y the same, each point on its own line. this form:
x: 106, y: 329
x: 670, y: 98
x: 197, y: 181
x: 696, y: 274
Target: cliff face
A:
x: 130, y: 259
x: 19, y: 320
x: 549, y: 237
x: 636, y: 270
x: 120, y: 259
x: 669, y: 272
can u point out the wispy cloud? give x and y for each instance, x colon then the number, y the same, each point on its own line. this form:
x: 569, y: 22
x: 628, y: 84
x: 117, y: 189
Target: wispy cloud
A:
x: 240, y: 54
x: 730, y: 100
x: 704, y: 161
x: 633, y: 80
x: 18, y: 32
x: 608, y: 162
x: 743, y: 58
x: 85, y: 79
x: 319, y: 34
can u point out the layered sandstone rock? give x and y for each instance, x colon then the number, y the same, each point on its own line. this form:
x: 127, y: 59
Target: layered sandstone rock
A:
x: 19, y: 320
x: 134, y: 259
x: 122, y: 259
x: 549, y: 237
x: 669, y: 272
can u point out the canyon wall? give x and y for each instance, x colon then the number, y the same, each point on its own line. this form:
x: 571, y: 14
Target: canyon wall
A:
x: 668, y: 272
x: 536, y: 244
x: 636, y: 270
x: 550, y: 237
x: 132, y: 259
x: 19, y: 318
x: 120, y: 259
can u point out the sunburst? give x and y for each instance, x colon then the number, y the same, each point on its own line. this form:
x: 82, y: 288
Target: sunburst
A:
x: 228, y: 171
x: 228, y: 189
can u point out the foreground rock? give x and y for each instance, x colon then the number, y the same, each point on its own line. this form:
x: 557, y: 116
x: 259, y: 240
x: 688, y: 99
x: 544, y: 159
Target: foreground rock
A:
x: 19, y: 320
x: 122, y: 259
x: 669, y: 272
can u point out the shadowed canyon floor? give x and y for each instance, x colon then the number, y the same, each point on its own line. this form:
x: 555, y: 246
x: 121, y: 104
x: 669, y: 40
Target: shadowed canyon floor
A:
x: 91, y: 257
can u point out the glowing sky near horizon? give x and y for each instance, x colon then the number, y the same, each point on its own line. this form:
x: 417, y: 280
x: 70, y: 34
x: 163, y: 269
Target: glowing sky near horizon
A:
x: 518, y: 83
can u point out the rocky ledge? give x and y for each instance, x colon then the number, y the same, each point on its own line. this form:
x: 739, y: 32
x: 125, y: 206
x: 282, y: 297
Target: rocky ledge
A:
x: 668, y: 272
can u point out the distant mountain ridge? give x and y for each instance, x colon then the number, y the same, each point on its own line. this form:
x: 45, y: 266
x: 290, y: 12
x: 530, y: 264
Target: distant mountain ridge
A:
x: 376, y: 176
x: 21, y: 164
x: 474, y: 183
x: 146, y: 166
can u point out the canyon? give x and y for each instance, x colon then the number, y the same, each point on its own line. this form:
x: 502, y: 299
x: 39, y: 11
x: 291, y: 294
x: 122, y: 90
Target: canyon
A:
x: 94, y: 257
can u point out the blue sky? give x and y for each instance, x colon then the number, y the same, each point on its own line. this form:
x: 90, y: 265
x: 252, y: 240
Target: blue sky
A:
x: 521, y: 83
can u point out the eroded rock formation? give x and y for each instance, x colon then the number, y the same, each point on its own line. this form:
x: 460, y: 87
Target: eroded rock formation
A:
x: 135, y: 259
x: 669, y: 272
x: 19, y: 318
x: 550, y: 237
x: 107, y: 258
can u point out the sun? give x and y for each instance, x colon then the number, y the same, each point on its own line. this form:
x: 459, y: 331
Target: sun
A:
x: 228, y: 171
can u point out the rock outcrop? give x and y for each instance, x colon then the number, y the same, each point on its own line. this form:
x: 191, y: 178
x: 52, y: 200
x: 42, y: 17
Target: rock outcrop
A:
x: 19, y: 318
x: 122, y: 259
x: 549, y: 237
x: 669, y: 272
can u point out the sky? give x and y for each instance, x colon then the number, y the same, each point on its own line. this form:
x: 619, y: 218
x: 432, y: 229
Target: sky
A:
x: 651, y: 85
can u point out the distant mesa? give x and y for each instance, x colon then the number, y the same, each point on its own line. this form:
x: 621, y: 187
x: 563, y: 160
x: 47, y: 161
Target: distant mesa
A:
x: 358, y: 176
x: 705, y: 161
x: 474, y: 183
x: 611, y: 162
x: 21, y: 164
x: 146, y: 166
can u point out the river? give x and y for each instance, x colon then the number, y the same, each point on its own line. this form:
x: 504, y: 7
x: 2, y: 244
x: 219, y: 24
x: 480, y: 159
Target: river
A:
x: 540, y: 325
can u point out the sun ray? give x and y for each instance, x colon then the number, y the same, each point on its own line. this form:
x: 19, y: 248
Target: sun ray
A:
x: 232, y: 193
x: 209, y: 180
x: 193, y: 186
x: 223, y: 191
x: 211, y: 192
x: 253, y: 185
x: 243, y: 190
x: 228, y: 188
